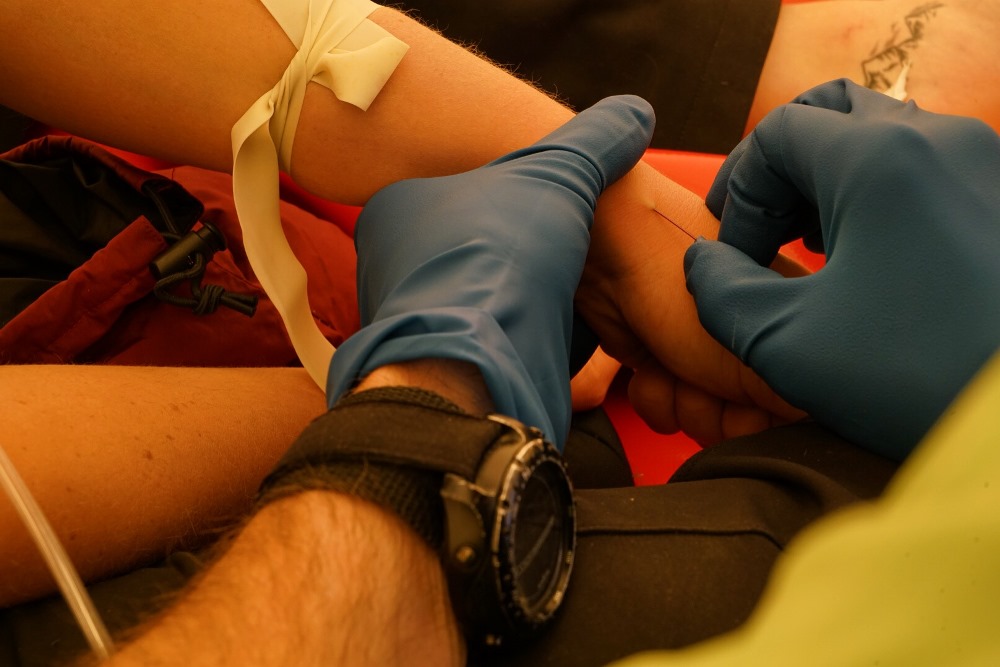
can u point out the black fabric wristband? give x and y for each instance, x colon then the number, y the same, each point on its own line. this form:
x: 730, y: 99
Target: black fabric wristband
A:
x: 390, y: 446
x: 413, y: 495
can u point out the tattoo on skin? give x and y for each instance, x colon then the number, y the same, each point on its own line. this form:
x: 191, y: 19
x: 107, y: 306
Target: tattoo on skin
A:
x: 889, y: 61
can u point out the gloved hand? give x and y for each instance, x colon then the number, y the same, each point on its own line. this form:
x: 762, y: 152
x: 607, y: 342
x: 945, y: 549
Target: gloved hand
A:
x: 482, y: 266
x: 906, y: 206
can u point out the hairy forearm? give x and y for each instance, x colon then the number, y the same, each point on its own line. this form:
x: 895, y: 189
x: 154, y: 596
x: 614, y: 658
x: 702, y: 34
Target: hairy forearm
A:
x: 314, y: 579
x: 171, y: 81
x: 192, y: 443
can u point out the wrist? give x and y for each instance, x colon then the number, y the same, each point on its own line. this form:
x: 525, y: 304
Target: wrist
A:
x: 469, y: 336
x: 472, y: 488
x: 458, y: 381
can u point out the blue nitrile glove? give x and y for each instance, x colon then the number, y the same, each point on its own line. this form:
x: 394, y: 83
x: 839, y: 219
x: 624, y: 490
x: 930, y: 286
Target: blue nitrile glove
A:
x: 482, y: 266
x: 907, y: 203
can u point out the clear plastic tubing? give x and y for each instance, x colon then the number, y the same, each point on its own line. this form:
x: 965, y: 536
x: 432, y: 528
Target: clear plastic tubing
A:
x: 56, y: 558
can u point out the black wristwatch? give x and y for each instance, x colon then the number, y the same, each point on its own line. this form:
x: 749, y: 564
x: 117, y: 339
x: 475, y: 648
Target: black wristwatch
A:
x: 491, y: 494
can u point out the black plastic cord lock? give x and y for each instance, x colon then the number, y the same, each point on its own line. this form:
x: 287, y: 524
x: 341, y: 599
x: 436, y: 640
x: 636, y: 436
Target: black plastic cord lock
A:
x: 206, y: 241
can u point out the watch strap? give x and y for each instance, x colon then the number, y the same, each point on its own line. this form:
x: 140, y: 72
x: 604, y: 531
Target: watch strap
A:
x: 413, y: 495
x: 400, y: 425
x: 391, y: 446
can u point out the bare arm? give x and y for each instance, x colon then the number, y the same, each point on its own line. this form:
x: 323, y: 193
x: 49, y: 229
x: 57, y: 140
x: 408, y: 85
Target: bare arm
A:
x: 130, y: 462
x: 170, y: 81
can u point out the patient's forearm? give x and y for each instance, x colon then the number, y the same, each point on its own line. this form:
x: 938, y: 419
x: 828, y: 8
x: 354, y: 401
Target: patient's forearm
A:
x: 170, y: 80
x: 633, y: 295
x: 128, y: 462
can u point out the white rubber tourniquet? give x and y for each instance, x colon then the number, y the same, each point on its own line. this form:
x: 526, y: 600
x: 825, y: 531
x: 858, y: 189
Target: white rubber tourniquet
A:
x: 341, y: 49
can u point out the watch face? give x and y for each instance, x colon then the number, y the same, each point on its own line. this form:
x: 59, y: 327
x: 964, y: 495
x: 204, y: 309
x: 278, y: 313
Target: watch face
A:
x: 519, y: 514
x: 541, y: 540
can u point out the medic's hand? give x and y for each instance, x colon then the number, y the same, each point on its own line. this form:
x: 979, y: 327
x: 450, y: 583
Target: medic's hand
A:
x: 482, y: 266
x: 906, y: 206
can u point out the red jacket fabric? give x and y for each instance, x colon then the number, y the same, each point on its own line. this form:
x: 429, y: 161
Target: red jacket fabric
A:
x: 105, y: 312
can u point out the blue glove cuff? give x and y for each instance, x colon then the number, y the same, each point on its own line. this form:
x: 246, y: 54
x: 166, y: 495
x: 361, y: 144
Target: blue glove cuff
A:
x: 462, y: 334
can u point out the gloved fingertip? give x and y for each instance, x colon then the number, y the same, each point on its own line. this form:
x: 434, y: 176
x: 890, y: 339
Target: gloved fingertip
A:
x: 694, y: 251
x: 623, y: 127
x: 641, y: 110
x: 611, y: 135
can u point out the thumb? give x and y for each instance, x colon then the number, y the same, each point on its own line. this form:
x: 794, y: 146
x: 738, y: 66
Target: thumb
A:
x: 748, y: 308
x: 594, y: 149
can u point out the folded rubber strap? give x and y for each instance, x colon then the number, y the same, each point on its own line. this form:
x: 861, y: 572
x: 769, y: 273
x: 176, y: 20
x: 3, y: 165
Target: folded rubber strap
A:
x: 341, y: 49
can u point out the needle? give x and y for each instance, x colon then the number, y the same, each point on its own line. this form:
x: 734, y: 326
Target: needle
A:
x: 668, y: 219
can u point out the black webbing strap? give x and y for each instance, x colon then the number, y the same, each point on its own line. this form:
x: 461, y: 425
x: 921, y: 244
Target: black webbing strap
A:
x: 391, y: 446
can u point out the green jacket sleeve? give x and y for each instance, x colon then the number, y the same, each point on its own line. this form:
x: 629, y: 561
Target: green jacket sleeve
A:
x: 910, y: 579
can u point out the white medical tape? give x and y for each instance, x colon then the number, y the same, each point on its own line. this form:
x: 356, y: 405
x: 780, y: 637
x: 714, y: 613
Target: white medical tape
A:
x: 341, y: 49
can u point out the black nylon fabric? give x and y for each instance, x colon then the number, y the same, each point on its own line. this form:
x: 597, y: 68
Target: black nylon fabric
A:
x: 55, y: 213
x: 397, y: 425
x: 696, y: 61
x: 390, y: 446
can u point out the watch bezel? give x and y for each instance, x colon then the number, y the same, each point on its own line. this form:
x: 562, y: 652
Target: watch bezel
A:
x: 503, y: 538
x: 485, y: 571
